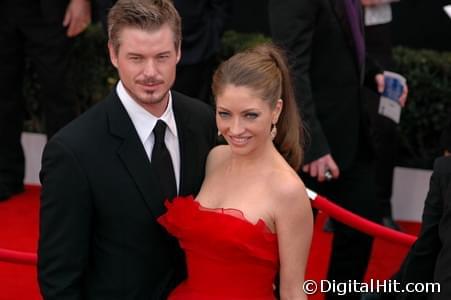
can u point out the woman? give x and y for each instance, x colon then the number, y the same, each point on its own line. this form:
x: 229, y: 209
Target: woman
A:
x: 252, y: 217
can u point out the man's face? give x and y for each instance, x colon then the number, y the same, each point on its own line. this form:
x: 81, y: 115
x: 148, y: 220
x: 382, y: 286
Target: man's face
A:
x: 146, y: 62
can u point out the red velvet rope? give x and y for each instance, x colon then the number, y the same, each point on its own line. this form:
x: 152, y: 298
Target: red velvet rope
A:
x: 334, y: 211
x: 344, y: 216
x: 17, y: 257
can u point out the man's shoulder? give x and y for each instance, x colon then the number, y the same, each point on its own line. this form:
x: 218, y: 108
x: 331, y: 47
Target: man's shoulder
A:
x: 195, y: 112
x: 87, y: 126
x: 191, y: 104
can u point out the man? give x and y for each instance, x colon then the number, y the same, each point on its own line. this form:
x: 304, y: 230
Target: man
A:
x: 43, y: 31
x: 325, y: 42
x: 428, y: 260
x: 378, y: 16
x: 106, y: 175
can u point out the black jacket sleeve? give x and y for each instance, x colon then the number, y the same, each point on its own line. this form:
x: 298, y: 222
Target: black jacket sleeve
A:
x: 65, y: 223
x: 292, y: 25
x: 420, y: 262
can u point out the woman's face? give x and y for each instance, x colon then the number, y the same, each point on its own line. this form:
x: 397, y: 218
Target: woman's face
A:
x: 245, y: 119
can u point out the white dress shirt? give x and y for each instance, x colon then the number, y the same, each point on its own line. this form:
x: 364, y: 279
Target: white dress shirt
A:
x: 144, y: 123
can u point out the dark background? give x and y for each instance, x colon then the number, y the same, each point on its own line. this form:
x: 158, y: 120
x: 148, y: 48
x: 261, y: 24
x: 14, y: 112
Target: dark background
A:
x: 416, y: 23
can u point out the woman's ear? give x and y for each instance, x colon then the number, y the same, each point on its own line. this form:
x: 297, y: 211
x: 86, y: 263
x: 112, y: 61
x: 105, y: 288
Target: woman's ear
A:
x: 277, y: 110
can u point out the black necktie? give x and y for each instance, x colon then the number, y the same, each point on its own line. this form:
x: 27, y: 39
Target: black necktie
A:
x: 161, y: 162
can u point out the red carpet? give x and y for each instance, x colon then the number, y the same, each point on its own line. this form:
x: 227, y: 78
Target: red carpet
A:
x: 19, y: 231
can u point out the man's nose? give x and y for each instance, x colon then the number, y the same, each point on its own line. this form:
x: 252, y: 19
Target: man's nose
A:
x: 150, y: 68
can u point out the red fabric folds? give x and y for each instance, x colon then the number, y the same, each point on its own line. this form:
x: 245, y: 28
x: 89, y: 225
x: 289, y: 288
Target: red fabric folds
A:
x: 228, y: 257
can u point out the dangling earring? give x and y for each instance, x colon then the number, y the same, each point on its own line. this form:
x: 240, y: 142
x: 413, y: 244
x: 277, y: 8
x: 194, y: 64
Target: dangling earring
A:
x: 273, y: 131
x: 219, y: 133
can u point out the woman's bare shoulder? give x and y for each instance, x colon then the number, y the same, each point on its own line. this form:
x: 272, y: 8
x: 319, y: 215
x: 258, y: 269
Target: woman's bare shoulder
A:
x: 288, y: 190
x: 216, y: 156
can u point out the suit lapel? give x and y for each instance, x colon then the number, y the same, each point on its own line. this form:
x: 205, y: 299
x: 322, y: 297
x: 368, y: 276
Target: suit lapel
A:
x: 132, y: 154
x: 340, y: 12
x: 188, y: 147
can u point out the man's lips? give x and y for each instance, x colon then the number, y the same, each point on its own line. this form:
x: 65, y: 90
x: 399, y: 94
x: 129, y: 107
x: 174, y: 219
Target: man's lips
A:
x: 150, y: 84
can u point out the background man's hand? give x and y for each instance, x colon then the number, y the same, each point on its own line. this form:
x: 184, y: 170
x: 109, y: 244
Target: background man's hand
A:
x: 380, y: 84
x: 77, y: 17
x: 318, y: 168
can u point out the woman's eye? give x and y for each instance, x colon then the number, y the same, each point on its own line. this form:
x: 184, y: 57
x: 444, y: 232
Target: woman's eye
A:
x: 251, y: 115
x: 223, y: 114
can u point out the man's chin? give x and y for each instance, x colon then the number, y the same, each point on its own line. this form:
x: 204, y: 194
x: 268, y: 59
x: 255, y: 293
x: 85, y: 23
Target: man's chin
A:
x: 153, y: 99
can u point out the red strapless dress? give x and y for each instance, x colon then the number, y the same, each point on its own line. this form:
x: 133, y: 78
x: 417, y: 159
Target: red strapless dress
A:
x: 228, y: 257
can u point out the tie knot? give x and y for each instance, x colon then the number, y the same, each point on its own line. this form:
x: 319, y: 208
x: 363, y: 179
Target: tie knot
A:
x: 159, y: 131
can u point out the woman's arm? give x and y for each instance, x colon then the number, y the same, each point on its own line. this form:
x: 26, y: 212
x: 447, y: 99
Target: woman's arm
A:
x: 294, y: 226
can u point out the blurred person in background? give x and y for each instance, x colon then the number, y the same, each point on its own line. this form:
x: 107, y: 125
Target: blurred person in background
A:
x: 203, y: 24
x: 43, y: 31
x: 378, y: 17
x: 429, y: 258
x: 326, y: 43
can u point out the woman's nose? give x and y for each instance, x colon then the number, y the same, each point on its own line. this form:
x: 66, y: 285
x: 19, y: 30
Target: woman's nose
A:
x: 236, y: 127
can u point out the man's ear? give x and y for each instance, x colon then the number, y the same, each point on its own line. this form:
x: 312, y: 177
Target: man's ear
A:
x: 113, y: 54
x: 179, y: 52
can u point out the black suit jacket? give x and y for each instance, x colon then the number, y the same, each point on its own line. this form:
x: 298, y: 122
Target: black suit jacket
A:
x: 327, y: 76
x: 99, y: 238
x: 203, y: 23
x: 429, y: 259
x: 53, y: 10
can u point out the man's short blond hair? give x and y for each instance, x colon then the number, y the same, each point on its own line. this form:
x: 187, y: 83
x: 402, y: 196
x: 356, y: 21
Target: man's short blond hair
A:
x: 147, y: 15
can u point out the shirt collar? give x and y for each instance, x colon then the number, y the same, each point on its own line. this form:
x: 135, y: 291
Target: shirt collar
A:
x: 143, y: 120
